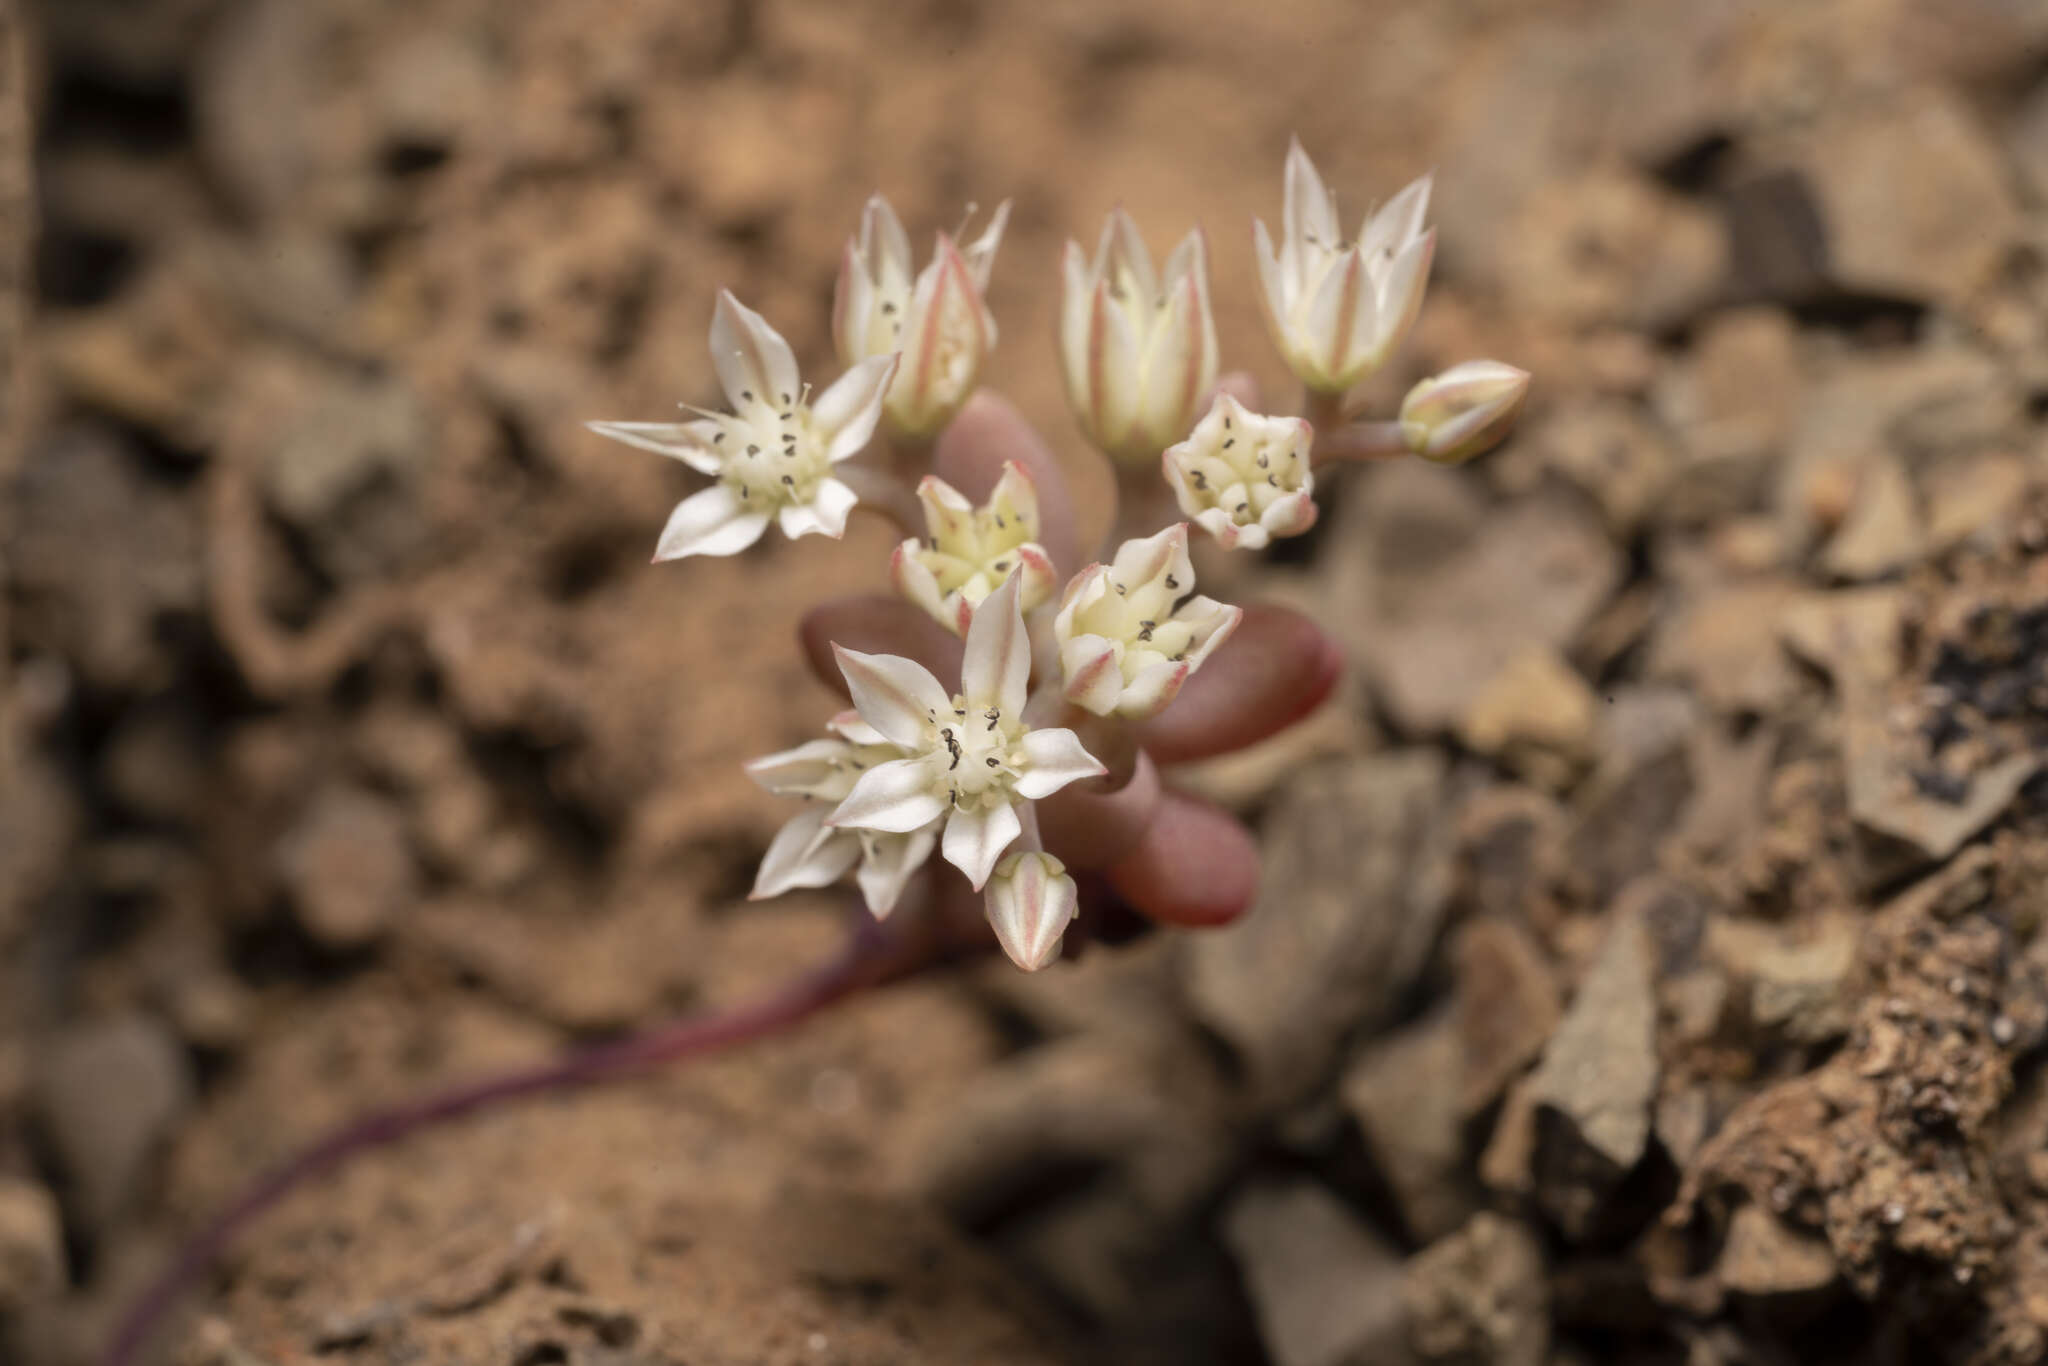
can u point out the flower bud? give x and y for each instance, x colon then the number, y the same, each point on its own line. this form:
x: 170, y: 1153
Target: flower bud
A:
x: 1338, y: 309
x: 1467, y: 409
x: 1130, y: 632
x: 1138, y: 351
x: 970, y: 550
x: 938, y: 321
x: 1244, y: 478
x: 1030, y: 901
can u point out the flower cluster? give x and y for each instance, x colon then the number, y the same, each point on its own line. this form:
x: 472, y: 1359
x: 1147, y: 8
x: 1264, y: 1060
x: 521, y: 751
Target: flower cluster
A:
x: 1035, y: 769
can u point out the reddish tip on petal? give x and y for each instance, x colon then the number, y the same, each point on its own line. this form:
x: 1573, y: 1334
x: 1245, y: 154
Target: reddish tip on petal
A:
x: 875, y: 624
x: 1197, y: 865
x: 1276, y: 668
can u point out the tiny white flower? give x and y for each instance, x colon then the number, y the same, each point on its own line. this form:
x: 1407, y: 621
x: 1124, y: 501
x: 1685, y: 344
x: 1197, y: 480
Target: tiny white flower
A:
x: 807, y: 852
x: 1469, y: 408
x: 1030, y: 902
x: 939, y: 321
x: 972, y: 549
x: 1138, y: 350
x: 1244, y: 478
x: 970, y: 759
x: 1337, y: 309
x: 1131, y: 631
x: 773, y: 454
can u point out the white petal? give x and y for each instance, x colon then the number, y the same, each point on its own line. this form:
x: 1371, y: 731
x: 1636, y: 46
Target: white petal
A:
x: 894, y: 797
x: 1288, y: 515
x: 883, y: 241
x: 996, y: 669
x: 824, y: 515
x: 1114, y: 376
x: 848, y: 726
x: 849, y: 409
x: 975, y: 840
x: 713, y: 522
x: 1057, y: 759
x: 1401, y: 291
x: 1273, y: 297
x: 897, y: 696
x: 853, y: 308
x: 981, y: 252
x: 800, y: 769
x: 948, y: 515
x: 915, y: 582
x: 804, y: 853
x: 1307, y: 212
x: 1029, y: 905
x: 888, y: 863
x: 1398, y: 222
x: 1172, y: 371
x: 1152, y: 689
x: 1330, y: 324
x: 1147, y: 562
x: 1213, y: 623
x: 689, y: 442
x: 751, y: 357
x: 1122, y: 251
x: 1015, y: 500
x: 1093, y: 680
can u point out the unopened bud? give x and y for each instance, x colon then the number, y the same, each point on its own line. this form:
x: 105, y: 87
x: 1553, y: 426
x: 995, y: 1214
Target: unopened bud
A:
x: 1467, y: 409
x: 1030, y: 901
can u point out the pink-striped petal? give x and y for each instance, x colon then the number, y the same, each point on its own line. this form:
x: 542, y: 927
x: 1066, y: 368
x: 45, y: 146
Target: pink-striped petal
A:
x: 1056, y: 758
x: 713, y: 522
x: 894, y: 798
x: 975, y: 840
x: 897, y: 696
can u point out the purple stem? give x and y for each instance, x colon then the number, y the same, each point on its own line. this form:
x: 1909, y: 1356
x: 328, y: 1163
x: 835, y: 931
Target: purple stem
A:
x: 864, y: 959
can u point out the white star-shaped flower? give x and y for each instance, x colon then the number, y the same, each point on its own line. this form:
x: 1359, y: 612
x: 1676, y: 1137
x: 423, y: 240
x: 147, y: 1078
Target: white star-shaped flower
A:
x: 971, y: 549
x: 1131, y: 631
x: 1336, y: 308
x: 1244, y: 478
x: 807, y: 852
x: 969, y: 758
x: 773, y: 453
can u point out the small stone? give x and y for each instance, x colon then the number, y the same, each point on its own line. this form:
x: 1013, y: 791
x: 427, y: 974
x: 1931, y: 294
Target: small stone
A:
x: 1432, y: 630
x: 347, y: 867
x: 343, y: 458
x: 1479, y: 1296
x: 1914, y: 198
x: 31, y: 1245
x: 1599, y: 1073
x: 1506, y: 1006
x: 1355, y: 888
x: 1764, y: 1258
x: 1855, y: 636
x: 1398, y: 1091
x: 1975, y: 501
x: 1611, y: 450
x: 1611, y: 247
x: 1724, y: 643
x: 1884, y: 799
x: 1883, y: 531
x: 1797, y: 977
x: 107, y: 1094
x: 1536, y: 716
x: 1326, y: 1290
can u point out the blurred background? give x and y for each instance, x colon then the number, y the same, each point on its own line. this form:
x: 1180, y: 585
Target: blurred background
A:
x: 1646, y: 968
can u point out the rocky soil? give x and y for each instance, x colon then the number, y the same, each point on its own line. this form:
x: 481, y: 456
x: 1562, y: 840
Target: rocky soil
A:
x: 1649, y: 964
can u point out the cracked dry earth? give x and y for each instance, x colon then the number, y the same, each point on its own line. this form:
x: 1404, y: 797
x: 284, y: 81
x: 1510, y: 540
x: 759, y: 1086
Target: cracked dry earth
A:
x: 1649, y: 964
